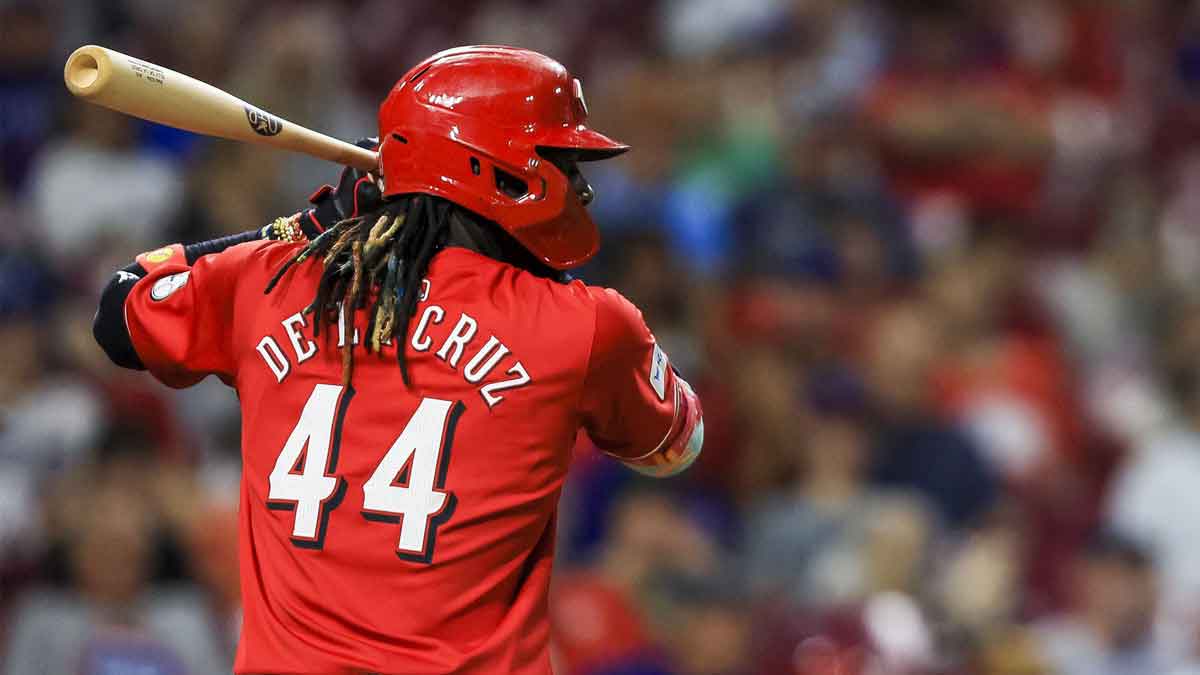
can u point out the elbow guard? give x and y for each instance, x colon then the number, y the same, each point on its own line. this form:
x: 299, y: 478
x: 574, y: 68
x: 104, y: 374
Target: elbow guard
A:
x: 683, y: 441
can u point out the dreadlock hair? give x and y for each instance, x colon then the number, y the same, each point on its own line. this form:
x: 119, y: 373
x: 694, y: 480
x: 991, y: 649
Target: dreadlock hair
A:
x: 380, y: 257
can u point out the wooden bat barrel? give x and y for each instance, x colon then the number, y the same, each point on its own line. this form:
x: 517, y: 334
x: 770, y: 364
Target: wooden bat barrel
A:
x: 149, y: 91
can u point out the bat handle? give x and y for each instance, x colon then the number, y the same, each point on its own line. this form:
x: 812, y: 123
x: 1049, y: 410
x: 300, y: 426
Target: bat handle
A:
x: 361, y: 159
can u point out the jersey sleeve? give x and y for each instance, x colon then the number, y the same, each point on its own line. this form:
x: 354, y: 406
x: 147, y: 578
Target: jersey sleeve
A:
x: 180, y: 316
x: 635, y: 406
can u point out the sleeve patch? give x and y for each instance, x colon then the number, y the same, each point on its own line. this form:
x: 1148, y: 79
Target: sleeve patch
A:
x: 658, y: 372
x: 164, y: 287
x: 159, y: 255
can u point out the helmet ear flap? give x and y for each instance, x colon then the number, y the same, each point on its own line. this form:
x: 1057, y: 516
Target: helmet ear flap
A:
x: 566, y: 240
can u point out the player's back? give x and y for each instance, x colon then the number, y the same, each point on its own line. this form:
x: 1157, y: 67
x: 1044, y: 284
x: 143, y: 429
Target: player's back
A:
x: 387, y: 528
x: 405, y: 529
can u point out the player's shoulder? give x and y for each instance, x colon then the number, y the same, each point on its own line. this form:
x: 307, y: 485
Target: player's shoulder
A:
x: 612, y: 308
x: 250, y: 258
x: 573, y: 301
x: 266, y: 250
x: 619, y: 324
x: 612, y: 311
x: 572, y: 290
x: 517, y: 283
x: 611, y: 325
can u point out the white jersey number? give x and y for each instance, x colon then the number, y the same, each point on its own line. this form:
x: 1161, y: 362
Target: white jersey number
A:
x: 407, y: 486
x: 303, y: 479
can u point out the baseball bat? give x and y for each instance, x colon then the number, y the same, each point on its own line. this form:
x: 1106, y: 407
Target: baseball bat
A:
x: 151, y: 92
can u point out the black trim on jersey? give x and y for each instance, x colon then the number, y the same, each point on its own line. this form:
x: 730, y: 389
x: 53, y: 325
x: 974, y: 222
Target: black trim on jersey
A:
x: 327, y: 507
x: 375, y: 517
x: 451, y: 424
x: 400, y: 480
x: 335, y: 450
x: 431, y: 529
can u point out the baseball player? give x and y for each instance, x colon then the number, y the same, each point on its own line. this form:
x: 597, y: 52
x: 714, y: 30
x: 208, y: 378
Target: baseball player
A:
x: 413, y: 365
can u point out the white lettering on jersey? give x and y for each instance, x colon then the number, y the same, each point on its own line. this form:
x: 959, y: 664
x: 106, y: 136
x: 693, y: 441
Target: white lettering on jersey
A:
x: 474, y: 372
x: 273, y: 356
x: 342, y: 328
x: 432, y: 313
x: 488, y: 392
x: 463, y: 331
x: 304, y: 348
x: 463, y: 341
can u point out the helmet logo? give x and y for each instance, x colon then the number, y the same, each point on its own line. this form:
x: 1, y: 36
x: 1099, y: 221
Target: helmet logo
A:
x: 445, y: 100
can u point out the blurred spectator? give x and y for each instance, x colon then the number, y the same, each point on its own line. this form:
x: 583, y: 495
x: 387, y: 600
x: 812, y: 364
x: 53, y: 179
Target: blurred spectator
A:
x: 838, y: 49
x: 28, y: 87
x: 111, y: 619
x: 1158, y: 481
x: 977, y: 594
x: 706, y: 627
x: 96, y: 185
x: 1109, y: 630
x: 916, y: 449
x: 1005, y: 383
x: 48, y: 420
x: 231, y: 189
x: 949, y: 122
x: 1149, y: 493
x: 1180, y: 236
x: 648, y: 269
x: 832, y: 539
x: 292, y: 74
x: 762, y: 389
x: 598, y: 617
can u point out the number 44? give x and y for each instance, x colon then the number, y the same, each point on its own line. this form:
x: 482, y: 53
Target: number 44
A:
x: 407, y: 486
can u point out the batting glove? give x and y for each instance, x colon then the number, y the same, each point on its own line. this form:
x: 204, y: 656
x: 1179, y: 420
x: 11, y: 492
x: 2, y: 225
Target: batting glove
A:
x: 357, y: 192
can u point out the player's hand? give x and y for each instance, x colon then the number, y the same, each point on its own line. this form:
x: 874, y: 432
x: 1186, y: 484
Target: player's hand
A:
x: 357, y: 192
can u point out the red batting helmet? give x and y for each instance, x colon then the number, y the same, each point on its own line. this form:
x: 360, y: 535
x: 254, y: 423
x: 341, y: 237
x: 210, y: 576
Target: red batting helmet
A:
x: 469, y: 125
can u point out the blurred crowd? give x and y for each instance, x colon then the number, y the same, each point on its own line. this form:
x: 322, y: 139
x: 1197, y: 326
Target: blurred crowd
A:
x: 933, y: 266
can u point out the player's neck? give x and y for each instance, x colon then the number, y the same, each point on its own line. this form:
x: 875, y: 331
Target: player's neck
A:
x: 487, y: 239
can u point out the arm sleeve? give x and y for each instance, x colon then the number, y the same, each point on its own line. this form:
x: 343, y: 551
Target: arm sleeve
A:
x: 179, y: 316
x: 635, y: 406
x: 109, y: 327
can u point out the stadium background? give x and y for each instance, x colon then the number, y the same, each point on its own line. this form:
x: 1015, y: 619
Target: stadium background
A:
x: 932, y: 265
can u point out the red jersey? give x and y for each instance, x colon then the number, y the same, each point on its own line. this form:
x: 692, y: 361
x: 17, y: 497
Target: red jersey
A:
x: 388, y: 529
